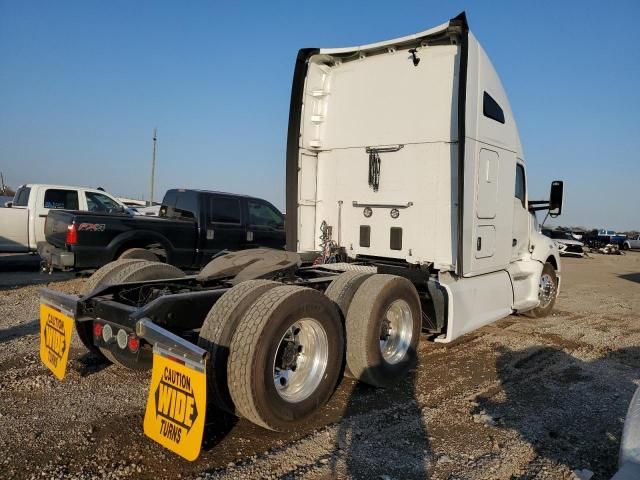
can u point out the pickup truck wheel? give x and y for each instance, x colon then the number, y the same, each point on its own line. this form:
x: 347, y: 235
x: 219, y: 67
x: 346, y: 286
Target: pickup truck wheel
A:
x: 140, y: 254
x: 341, y: 291
x: 285, y: 357
x: 139, y: 271
x: 383, y: 330
x: 625, y: 246
x: 547, y: 292
x: 217, y: 331
x: 99, y: 278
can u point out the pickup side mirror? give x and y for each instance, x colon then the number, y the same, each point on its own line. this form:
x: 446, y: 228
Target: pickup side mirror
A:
x: 555, y: 198
x: 8, y: 204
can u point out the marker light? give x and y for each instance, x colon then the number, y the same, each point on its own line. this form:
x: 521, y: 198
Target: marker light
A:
x: 122, y: 337
x: 107, y: 333
x: 133, y: 343
x: 97, y: 329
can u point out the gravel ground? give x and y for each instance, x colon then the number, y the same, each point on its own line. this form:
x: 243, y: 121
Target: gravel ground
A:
x: 521, y: 398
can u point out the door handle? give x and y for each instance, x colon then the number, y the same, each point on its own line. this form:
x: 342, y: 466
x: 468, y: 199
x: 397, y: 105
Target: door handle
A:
x: 514, y: 242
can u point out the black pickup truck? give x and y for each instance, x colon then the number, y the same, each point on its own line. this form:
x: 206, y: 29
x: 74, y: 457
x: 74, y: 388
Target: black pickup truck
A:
x: 193, y: 226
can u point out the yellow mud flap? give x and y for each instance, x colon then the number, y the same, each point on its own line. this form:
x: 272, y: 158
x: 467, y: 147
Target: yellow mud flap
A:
x: 177, y: 404
x: 56, y: 329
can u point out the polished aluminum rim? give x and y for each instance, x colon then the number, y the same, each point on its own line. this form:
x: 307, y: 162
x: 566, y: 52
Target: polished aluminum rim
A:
x: 547, y: 290
x: 396, y: 332
x: 301, y: 360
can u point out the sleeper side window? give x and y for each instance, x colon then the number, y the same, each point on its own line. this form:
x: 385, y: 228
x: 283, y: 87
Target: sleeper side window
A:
x: 491, y: 109
x: 520, y: 184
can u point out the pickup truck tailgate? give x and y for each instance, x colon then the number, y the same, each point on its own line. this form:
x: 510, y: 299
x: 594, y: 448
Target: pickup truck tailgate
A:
x: 55, y: 228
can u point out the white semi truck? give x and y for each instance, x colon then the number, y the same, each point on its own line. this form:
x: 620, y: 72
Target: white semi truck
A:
x: 407, y: 211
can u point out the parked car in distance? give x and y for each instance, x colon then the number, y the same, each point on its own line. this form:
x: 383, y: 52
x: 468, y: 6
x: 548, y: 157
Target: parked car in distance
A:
x: 568, y: 246
x: 22, y: 223
x: 193, y: 226
x: 630, y: 243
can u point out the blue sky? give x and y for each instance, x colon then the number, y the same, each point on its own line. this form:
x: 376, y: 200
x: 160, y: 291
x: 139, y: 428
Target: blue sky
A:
x: 83, y: 84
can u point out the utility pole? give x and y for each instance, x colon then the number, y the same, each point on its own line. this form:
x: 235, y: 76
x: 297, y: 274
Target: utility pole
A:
x: 153, y: 165
x: 2, y: 182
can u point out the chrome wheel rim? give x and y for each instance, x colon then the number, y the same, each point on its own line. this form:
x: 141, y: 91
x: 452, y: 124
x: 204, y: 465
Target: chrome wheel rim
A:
x: 396, y: 332
x: 301, y: 360
x: 547, y: 290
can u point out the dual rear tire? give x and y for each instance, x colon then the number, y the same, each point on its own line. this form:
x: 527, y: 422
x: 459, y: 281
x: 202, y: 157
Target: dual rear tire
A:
x: 277, y: 351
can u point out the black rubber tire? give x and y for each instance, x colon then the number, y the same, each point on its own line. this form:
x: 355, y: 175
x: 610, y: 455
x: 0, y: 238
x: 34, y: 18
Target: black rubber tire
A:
x: 217, y: 332
x: 139, y: 272
x: 341, y: 291
x: 540, y: 312
x: 102, y: 276
x: 140, y: 254
x: 343, y: 288
x: 255, y: 343
x: 99, y: 278
x: 364, y: 320
x: 625, y: 246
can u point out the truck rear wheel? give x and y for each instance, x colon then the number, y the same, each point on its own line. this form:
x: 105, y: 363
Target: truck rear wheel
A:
x: 140, y: 254
x: 341, y: 291
x: 285, y: 357
x: 383, y: 330
x: 99, y: 278
x: 217, y: 332
x: 139, y: 271
x: 547, y: 292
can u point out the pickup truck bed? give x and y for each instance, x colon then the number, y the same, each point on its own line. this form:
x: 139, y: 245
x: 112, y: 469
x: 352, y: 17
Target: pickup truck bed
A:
x: 193, y: 226
x: 101, y: 237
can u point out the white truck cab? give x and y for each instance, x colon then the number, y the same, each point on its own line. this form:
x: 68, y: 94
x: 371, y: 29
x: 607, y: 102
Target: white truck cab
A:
x: 407, y: 152
x: 22, y: 224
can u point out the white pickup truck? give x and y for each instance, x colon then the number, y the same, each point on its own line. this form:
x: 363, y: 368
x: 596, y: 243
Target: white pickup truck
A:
x: 22, y: 223
x: 633, y: 242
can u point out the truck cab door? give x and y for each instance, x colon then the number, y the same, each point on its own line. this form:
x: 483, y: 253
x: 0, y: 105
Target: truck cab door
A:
x: 224, y: 228
x: 521, y: 217
x: 265, y: 225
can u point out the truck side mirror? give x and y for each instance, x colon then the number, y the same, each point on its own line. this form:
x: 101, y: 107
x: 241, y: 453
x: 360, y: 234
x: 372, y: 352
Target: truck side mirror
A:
x: 8, y: 204
x: 555, y: 198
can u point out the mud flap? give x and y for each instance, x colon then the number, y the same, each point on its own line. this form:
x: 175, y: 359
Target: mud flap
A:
x: 56, y: 329
x: 177, y: 403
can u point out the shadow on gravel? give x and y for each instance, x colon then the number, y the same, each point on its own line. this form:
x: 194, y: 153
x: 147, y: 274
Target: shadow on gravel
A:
x: 23, y: 269
x: 28, y: 328
x: 632, y: 277
x: 382, y: 434
x: 90, y: 363
x: 569, y: 410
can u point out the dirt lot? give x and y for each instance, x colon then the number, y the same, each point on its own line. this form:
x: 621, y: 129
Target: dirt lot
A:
x: 521, y: 398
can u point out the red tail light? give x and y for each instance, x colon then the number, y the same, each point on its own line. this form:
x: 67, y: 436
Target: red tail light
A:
x: 133, y: 343
x: 72, y: 234
x: 97, y: 329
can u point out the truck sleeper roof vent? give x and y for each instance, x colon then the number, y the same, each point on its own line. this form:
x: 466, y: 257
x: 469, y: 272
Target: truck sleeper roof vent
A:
x: 374, y: 163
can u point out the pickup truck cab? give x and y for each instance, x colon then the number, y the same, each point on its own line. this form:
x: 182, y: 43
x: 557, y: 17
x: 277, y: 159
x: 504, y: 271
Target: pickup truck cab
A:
x: 192, y: 227
x: 22, y: 224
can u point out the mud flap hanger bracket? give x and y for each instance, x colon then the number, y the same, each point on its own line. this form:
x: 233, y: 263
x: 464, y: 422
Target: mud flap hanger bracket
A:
x: 170, y: 343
